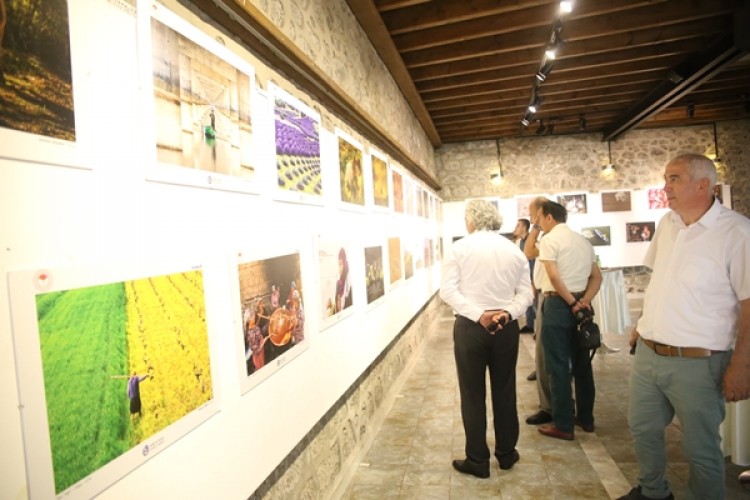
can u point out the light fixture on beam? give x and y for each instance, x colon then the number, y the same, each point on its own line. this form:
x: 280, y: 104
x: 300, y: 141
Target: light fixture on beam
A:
x: 566, y: 6
x: 544, y: 71
x: 541, y: 128
x: 535, y: 101
x: 496, y: 178
x: 582, y: 123
x: 690, y: 110
x: 609, y: 168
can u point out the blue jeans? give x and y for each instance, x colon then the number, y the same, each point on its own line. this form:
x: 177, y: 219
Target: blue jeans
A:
x: 661, y: 387
x: 565, y: 361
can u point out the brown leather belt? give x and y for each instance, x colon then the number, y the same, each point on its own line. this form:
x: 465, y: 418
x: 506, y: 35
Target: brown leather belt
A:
x: 577, y: 295
x: 683, y: 352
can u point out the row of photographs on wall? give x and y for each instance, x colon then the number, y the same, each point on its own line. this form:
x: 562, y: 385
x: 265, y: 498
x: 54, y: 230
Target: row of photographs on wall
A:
x: 114, y: 366
x: 206, y: 124
x: 598, y: 236
x: 614, y: 201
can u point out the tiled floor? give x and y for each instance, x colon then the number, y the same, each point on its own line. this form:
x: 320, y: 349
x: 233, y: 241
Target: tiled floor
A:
x: 410, y: 456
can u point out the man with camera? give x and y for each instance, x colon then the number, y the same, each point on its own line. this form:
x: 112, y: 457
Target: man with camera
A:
x: 486, y: 282
x: 572, y: 279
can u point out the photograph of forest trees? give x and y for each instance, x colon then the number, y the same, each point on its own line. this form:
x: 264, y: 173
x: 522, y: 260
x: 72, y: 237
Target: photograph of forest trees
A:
x: 36, y: 85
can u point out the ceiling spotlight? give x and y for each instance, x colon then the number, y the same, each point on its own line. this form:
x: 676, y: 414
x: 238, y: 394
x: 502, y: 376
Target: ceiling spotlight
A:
x: 691, y: 110
x: 525, y: 122
x: 540, y: 130
x: 535, y: 101
x: 582, y: 123
x: 566, y: 6
x: 550, y: 128
x: 544, y: 71
x: 551, y: 52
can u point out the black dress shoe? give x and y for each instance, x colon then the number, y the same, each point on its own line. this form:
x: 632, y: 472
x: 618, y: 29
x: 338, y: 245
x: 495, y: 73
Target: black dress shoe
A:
x: 507, y: 460
x: 532, y: 376
x: 540, y: 417
x: 635, y: 494
x: 526, y: 329
x: 744, y: 477
x: 470, y: 467
x: 585, y: 427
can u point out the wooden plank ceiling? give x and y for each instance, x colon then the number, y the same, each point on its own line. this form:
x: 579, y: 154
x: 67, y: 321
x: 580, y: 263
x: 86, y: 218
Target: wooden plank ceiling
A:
x: 467, y: 67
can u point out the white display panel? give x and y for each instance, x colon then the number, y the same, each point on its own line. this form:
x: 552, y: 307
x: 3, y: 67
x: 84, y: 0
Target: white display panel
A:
x: 198, y: 103
x: 114, y: 364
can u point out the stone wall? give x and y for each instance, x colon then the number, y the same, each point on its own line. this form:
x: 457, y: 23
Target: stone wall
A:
x: 314, y: 468
x: 328, y: 33
x: 549, y: 165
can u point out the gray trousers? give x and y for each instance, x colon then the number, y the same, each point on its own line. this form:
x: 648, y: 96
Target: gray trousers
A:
x: 542, y: 377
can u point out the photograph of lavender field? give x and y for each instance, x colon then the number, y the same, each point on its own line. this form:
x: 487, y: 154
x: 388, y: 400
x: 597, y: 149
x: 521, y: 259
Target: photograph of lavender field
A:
x: 297, y: 147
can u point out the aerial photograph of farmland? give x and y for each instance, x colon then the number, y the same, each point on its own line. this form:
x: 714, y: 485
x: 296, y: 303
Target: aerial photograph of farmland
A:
x: 122, y: 361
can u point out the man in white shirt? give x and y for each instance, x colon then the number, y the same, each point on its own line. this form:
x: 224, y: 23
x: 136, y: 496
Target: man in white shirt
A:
x: 571, y: 281
x: 486, y: 282
x: 695, y: 310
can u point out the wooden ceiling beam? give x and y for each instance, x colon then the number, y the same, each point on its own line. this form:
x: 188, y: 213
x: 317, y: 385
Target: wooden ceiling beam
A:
x: 684, y: 78
x: 373, y: 26
x: 443, y: 12
x: 622, y: 41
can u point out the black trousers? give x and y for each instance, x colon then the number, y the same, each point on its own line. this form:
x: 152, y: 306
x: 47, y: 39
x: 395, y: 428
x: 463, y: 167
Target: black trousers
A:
x: 476, y: 350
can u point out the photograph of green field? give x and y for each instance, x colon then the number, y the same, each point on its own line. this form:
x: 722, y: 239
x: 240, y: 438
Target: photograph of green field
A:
x: 121, y: 362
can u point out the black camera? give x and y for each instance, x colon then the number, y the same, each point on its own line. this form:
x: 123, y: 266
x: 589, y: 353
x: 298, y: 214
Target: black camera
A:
x: 492, y: 327
x: 584, y: 315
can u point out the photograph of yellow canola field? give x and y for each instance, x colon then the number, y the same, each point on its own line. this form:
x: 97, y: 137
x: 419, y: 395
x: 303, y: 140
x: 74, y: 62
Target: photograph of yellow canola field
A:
x: 121, y: 362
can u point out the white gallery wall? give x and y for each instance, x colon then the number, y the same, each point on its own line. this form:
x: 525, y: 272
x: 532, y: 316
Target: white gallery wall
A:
x: 92, y: 213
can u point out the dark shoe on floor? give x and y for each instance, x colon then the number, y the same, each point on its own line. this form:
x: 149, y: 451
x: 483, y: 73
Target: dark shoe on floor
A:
x: 635, y: 494
x: 744, y: 477
x: 540, y: 417
x: 532, y: 376
x: 470, y: 467
x: 554, y: 432
x: 507, y: 460
x: 526, y: 329
x: 585, y: 427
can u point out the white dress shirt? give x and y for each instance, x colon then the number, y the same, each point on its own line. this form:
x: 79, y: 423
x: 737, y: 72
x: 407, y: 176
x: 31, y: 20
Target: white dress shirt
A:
x: 573, y: 255
x: 700, y: 273
x: 486, y: 271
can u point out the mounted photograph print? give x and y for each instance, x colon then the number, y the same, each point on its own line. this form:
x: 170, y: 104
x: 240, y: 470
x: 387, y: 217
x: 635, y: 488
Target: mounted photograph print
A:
x: 297, y: 141
x: 616, y: 201
x: 37, y: 82
x: 111, y: 371
x: 201, y: 102
x: 398, y: 191
x: 657, y: 198
x: 351, y: 170
x: 336, y: 293
x: 271, y: 305
x: 598, y: 236
x: 636, y: 232
x: 374, y: 281
x: 380, y: 193
x: 394, y: 260
x: 573, y: 203
x: 410, y: 191
x: 408, y: 262
x: 522, y: 205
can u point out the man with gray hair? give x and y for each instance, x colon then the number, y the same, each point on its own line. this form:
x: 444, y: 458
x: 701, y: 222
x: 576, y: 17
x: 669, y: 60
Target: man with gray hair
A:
x: 693, y: 338
x: 486, y: 282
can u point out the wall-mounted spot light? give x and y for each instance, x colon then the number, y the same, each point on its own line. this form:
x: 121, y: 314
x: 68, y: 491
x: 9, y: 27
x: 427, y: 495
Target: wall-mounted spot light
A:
x: 582, y: 123
x: 609, y: 168
x: 691, y: 110
x: 497, y: 176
